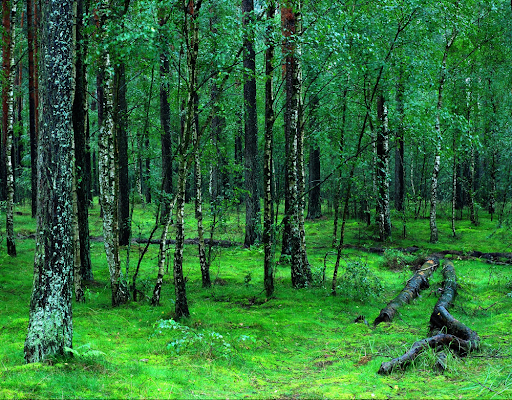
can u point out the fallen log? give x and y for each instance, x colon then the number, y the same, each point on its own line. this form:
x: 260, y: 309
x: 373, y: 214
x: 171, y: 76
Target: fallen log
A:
x: 442, y: 320
x: 418, y: 282
x: 455, y: 334
x: 439, y: 340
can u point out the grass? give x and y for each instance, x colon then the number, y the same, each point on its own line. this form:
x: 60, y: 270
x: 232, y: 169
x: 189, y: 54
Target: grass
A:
x: 237, y: 344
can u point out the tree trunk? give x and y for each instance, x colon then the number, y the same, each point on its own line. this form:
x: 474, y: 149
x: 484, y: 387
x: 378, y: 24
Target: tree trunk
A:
x: 81, y: 147
x: 437, y: 155
x: 268, y: 230
x: 165, y: 123
x: 400, y: 147
x: 120, y: 115
x: 382, y: 172
x: 32, y: 77
x: 162, y: 255
x: 109, y: 179
x: 181, y: 303
x: 314, y: 204
x: 50, y: 328
x: 186, y: 151
x: 415, y: 284
x: 294, y: 130
x: 454, y: 182
x: 8, y: 14
x: 252, y: 201
x: 201, y: 248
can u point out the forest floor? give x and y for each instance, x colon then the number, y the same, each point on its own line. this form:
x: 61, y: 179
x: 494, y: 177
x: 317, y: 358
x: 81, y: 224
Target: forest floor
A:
x: 238, y: 344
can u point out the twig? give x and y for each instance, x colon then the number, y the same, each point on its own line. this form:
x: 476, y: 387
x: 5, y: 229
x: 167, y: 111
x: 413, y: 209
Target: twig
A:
x: 488, y: 388
x: 485, y: 309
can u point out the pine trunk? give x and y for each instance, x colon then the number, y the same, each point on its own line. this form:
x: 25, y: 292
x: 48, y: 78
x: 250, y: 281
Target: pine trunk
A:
x: 81, y: 147
x: 50, y: 328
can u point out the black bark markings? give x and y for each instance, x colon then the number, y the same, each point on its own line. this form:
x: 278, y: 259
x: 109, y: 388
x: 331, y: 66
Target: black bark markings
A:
x: 417, y: 283
x: 445, y: 329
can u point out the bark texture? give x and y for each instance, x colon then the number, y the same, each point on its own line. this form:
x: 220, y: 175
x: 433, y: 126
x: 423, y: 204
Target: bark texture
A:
x: 50, y: 327
x: 252, y: 201
x: 455, y: 334
x: 434, y: 235
x: 81, y: 146
x: 418, y: 282
x: 382, y: 173
x: 165, y: 119
x: 8, y: 15
x: 32, y: 101
x: 162, y: 256
x: 108, y: 176
x: 294, y: 135
x: 121, y: 141
x: 268, y: 230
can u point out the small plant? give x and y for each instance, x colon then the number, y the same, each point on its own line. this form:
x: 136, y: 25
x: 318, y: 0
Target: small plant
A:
x: 84, y: 351
x: 397, y: 260
x: 359, y: 282
x: 318, y: 275
x: 207, y: 344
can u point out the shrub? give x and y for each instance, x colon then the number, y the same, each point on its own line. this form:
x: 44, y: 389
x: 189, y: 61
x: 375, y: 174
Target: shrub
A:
x: 397, y: 260
x: 359, y: 282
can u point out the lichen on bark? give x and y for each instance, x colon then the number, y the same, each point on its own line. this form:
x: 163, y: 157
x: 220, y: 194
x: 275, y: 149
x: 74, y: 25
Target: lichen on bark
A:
x: 50, y: 328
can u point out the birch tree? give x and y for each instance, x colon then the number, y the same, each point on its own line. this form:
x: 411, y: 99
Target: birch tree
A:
x: 8, y: 14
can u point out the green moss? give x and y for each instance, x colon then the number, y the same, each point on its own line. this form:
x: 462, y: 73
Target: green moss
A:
x: 306, y: 343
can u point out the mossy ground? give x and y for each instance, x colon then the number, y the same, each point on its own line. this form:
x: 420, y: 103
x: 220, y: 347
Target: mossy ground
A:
x: 300, y: 344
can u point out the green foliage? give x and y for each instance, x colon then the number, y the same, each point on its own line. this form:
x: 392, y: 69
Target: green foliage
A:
x: 359, y: 282
x: 84, y: 351
x: 206, y: 343
x: 396, y: 260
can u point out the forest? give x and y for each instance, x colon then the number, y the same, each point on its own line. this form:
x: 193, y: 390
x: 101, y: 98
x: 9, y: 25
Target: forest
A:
x: 263, y: 199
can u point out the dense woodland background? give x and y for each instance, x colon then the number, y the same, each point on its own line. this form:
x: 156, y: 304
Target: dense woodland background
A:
x: 386, y: 112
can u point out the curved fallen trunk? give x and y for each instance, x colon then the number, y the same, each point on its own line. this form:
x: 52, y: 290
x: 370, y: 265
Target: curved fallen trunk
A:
x: 418, y: 282
x: 441, y: 319
x: 441, y: 339
x: 456, y: 335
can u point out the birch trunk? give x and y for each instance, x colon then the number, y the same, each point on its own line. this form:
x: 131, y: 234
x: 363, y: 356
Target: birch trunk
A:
x: 434, y: 235
x: 201, y: 248
x: 252, y: 201
x: 162, y: 256
x: 109, y: 179
x: 165, y: 120
x: 32, y: 77
x: 186, y: 151
x: 454, y: 183
x: 268, y: 231
x: 8, y: 14
x: 50, y: 328
x: 382, y: 172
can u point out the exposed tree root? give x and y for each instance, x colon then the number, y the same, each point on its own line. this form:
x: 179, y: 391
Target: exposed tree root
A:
x: 454, y: 334
x: 418, y: 282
